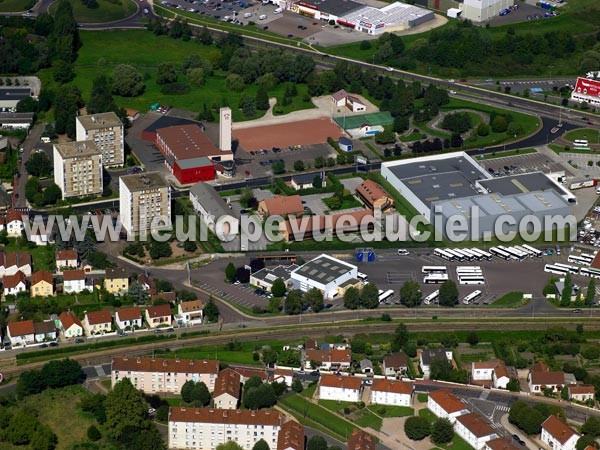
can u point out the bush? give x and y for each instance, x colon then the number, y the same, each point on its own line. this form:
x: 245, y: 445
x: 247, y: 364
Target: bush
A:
x: 93, y: 433
x: 416, y: 428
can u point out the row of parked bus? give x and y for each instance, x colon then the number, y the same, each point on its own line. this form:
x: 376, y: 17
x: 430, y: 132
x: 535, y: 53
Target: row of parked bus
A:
x: 564, y: 269
x: 434, y: 297
x: 434, y: 274
x: 470, y: 275
x: 515, y: 252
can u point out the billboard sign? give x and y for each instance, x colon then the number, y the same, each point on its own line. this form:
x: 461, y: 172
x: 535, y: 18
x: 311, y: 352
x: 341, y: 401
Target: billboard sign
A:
x: 589, y: 87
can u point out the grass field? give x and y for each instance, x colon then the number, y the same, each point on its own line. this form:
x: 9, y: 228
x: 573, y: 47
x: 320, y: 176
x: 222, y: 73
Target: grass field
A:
x: 427, y: 414
x: 16, y: 5
x: 519, y: 151
x: 588, y: 134
x: 422, y: 397
x: 560, y: 149
x: 362, y: 417
x: 44, y: 257
x: 107, y: 11
x: 412, y: 137
x: 348, y: 201
x: 510, y: 300
x: 392, y: 411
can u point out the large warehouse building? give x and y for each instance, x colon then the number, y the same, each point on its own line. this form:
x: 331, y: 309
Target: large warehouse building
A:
x: 453, y: 184
x: 329, y: 275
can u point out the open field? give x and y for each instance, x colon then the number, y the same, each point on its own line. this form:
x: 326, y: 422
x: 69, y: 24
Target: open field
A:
x: 510, y: 300
x: 107, y: 11
x: 362, y: 417
x: 15, y: 5
x: 589, y: 134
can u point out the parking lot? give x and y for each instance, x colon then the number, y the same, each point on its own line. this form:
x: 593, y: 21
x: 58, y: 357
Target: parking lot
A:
x: 525, y: 12
x: 531, y: 162
x: 234, y: 10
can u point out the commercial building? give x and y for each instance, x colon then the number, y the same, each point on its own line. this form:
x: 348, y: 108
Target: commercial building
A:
x: 206, y: 428
x: 264, y: 278
x: 154, y: 375
x: 78, y: 169
x: 10, y: 96
x: 558, y: 435
x: 106, y: 130
x: 325, y: 273
x: 482, y: 10
x: 391, y: 392
x: 16, y: 121
x: 445, y: 405
x: 452, y: 188
x: 340, y: 388
x: 586, y: 91
x: 475, y: 430
x: 210, y: 207
x: 144, y: 202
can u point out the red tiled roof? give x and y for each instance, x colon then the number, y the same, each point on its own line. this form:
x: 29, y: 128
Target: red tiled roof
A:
x: 332, y: 356
x: 447, y: 401
x: 371, y: 190
x: 246, y: 373
x: 395, y: 361
x: 581, y: 389
x: 339, y: 95
x: 337, y: 381
x: 41, y: 275
x: 228, y: 382
x: 283, y: 206
x: 73, y: 275
x: 361, y: 440
x: 161, y: 365
x: 12, y: 281
x: 13, y: 214
x: 547, y: 378
x: 396, y: 387
x: 311, y: 344
x: 291, y: 436
x: 18, y: 259
x: 68, y: 254
x: 539, y: 366
x: 131, y: 313
x: 188, y: 141
x: 68, y: 319
x: 22, y: 328
x: 502, y: 444
x: 97, y: 317
x: 558, y: 429
x: 476, y: 424
x: 194, y: 305
x: 158, y: 311
x: 266, y: 417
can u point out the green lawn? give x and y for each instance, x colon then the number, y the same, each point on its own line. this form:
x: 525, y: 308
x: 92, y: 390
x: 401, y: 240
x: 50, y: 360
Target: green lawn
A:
x: 44, y: 257
x: 422, y: 397
x: 16, y: 5
x: 392, y: 411
x: 589, y: 134
x: 427, y: 414
x: 362, y: 417
x: 457, y: 443
x: 510, y: 300
x: 519, y: 151
x: 107, y: 384
x: 560, y: 149
x: 412, y: 137
x: 348, y: 201
x: 107, y: 11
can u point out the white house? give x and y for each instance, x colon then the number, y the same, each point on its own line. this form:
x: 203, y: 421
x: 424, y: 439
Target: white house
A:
x: 12, y: 262
x: 339, y: 98
x: 540, y: 377
x: 158, y: 316
x: 70, y: 325
x: 324, y: 273
x: 354, y: 104
x: 428, y: 355
x: 283, y: 376
x: 14, y: 284
x: 446, y: 405
x: 66, y: 259
x: 391, y: 392
x: 501, y: 444
x: 45, y: 331
x: 304, y: 181
x: 581, y: 392
x: 490, y: 373
x: 340, y: 388
x: 14, y: 223
x: 474, y: 429
x: 190, y: 313
x: 74, y: 281
x: 227, y: 389
x: 395, y: 364
x: 328, y: 359
x: 128, y: 318
x: 97, y: 322
x: 21, y: 333
x: 557, y: 435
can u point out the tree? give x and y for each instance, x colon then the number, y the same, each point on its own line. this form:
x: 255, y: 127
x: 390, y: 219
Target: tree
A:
x: 513, y: 385
x: 189, y: 246
x: 400, y: 338
x: 416, y: 428
x: 235, y: 82
x: 299, y: 165
x: 278, y: 288
x: 230, y: 272
x: 352, y: 298
x: 472, y: 338
x: 94, y: 404
x: 441, y: 431
x: 101, y: 99
x: 261, y: 444
x: 66, y: 106
x: 369, y: 296
x: 159, y: 250
x: 162, y: 413
x: 317, y: 181
x: 590, y: 295
x: 242, y: 275
x: 126, y: 410
x: 297, y: 385
x: 63, y: 72
x: 211, y: 311
x: 259, y: 397
x: 448, y: 293
x: 262, y: 99
x: 29, y: 383
x: 440, y: 369
x: 314, y: 299
x: 196, y: 76
x: 21, y: 428
x: 166, y: 74
x: 410, y: 294
x: 187, y: 390
x: 586, y: 441
x: 499, y: 124
x: 565, y: 297
x: 591, y: 426
x: 316, y: 442
x: 28, y: 104
x: 43, y: 439
x: 32, y: 187
x: 52, y: 194
x: 387, y: 136
x: 458, y: 122
x: 231, y: 445
x: 93, y: 433
x: 137, y: 294
x: 293, y: 302
x: 127, y: 82
x: 61, y: 373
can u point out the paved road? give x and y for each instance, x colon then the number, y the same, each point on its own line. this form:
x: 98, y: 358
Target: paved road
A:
x: 33, y: 139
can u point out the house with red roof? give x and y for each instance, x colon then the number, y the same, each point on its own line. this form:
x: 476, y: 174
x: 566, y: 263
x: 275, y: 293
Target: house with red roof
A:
x: 291, y: 436
x: 70, y: 325
x: 474, y: 429
x: 14, y: 223
x: 158, y: 316
x: 361, y: 440
x: 74, y: 281
x: 340, y: 388
x: 558, y: 435
x: 21, y: 333
x: 446, y: 405
x: 581, y: 392
x: 227, y: 389
x: 14, y: 284
x: 67, y: 259
x: 540, y: 378
x: 128, y: 318
x: 97, y: 322
x: 391, y: 392
x: 492, y: 373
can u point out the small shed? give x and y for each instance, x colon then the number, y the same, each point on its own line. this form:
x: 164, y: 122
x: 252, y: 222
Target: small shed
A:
x: 345, y: 144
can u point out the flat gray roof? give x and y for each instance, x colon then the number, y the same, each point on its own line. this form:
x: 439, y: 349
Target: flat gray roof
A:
x: 522, y: 183
x: 77, y: 148
x: 101, y: 120
x: 142, y: 181
x: 324, y: 269
x: 336, y: 7
x: 14, y: 93
x: 211, y: 201
x: 271, y: 274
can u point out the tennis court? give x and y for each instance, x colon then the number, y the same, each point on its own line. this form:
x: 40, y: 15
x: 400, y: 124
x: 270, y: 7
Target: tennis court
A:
x: 350, y: 122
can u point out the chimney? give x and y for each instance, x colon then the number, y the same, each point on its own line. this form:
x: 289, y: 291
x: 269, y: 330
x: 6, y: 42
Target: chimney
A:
x: 93, y: 119
x: 225, y: 123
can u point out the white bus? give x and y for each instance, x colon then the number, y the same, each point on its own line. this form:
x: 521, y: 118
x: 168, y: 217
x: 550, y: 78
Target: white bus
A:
x: 587, y: 256
x: 434, y: 269
x: 467, y: 255
x: 431, y: 297
x: 526, y: 252
x: 362, y: 277
x: 468, y: 269
x: 579, y: 260
x: 435, y: 278
x: 482, y: 253
x: 474, y: 255
x: 580, y: 143
x: 471, y: 279
x: 471, y: 297
x: 516, y: 254
x: 457, y: 255
x: 551, y: 268
x: 536, y: 252
x: 500, y: 253
x: 443, y: 254
x: 572, y: 269
x: 386, y: 295
x: 590, y: 272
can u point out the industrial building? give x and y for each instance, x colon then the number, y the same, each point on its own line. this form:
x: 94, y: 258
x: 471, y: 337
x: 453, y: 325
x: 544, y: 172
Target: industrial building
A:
x: 482, y: 10
x: 329, y: 275
x: 10, y: 96
x: 106, y: 130
x: 445, y: 187
x: 78, y: 168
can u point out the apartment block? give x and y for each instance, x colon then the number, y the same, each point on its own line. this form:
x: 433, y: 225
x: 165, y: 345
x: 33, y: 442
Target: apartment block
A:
x: 144, y: 198
x: 78, y: 168
x: 106, y: 130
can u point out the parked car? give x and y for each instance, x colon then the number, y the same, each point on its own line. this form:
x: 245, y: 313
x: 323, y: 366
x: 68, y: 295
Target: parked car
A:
x: 79, y: 341
x: 403, y: 252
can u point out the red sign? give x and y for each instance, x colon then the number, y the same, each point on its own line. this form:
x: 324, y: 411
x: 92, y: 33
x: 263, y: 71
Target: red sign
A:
x: 585, y: 86
x: 307, y: 5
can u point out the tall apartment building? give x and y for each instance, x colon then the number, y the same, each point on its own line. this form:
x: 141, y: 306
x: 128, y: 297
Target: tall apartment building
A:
x: 206, y: 428
x: 154, y: 375
x: 142, y: 198
x: 78, y: 168
x: 106, y: 130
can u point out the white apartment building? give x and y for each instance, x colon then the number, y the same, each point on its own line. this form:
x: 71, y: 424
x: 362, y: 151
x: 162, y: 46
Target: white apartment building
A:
x: 78, y: 168
x: 474, y: 429
x: 206, y: 428
x: 557, y: 435
x: 145, y: 202
x: 106, y: 130
x: 446, y: 405
x: 154, y: 375
x: 340, y: 388
x: 391, y: 392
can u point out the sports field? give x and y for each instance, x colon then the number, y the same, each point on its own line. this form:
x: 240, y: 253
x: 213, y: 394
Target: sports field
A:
x: 373, y: 119
x: 306, y: 132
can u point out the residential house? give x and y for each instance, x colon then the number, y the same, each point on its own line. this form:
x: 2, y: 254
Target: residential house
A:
x: 74, y: 281
x: 227, y: 389
x: 147, y: 283
x: 291, y: 436
x: 374, y: 196
x: 340, y: 388
x: 305, y: 181
x: 391, y: 392
x: 128, y: 318
x: 41, y: 237
x: 475, y: 430
x: 116, y: 281
x: 265, y: 277
x: 246, y: 373
x: 557, y: 435
x: 67, y: 259
x: 331, y: 359
x: 14, y: 284
x: 446, y: 405
x: 97, y: 322
x: 490, y: 373
x: 41, y: 284
x: 355, y: 104
x: 12, y: 262
x: 366, y: 365
x: 540, y: 377
x: 190, y: 313
x: 21, y: 333
x: 395, y: 365
x: 501, y: 444
x: 206, y: 428
x: 45, y: 331
x: 428, y: 355
x: 158, y: 316
x: 581, y: 392
x: 339, y: 98
x: 311, y: 344
x: 361, y: 440
x: 281, y: 206
x: 283, y: 376
x: 14, y: 223
x: 159, y: 375
x: 70, y: 325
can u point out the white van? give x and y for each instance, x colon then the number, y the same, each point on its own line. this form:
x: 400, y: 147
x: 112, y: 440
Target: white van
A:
x: 278, y: 11
x: 597, y: 189
x: 247, y: 15
x: 262, y: 17
x: 45, y: 140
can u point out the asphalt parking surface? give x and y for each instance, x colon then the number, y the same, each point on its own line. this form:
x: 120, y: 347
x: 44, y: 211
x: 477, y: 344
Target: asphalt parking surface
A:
x: 518, y: 164
x: 520, y: 15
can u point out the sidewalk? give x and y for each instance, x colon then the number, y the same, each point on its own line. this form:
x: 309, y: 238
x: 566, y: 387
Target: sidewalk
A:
x: 531, y: 445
